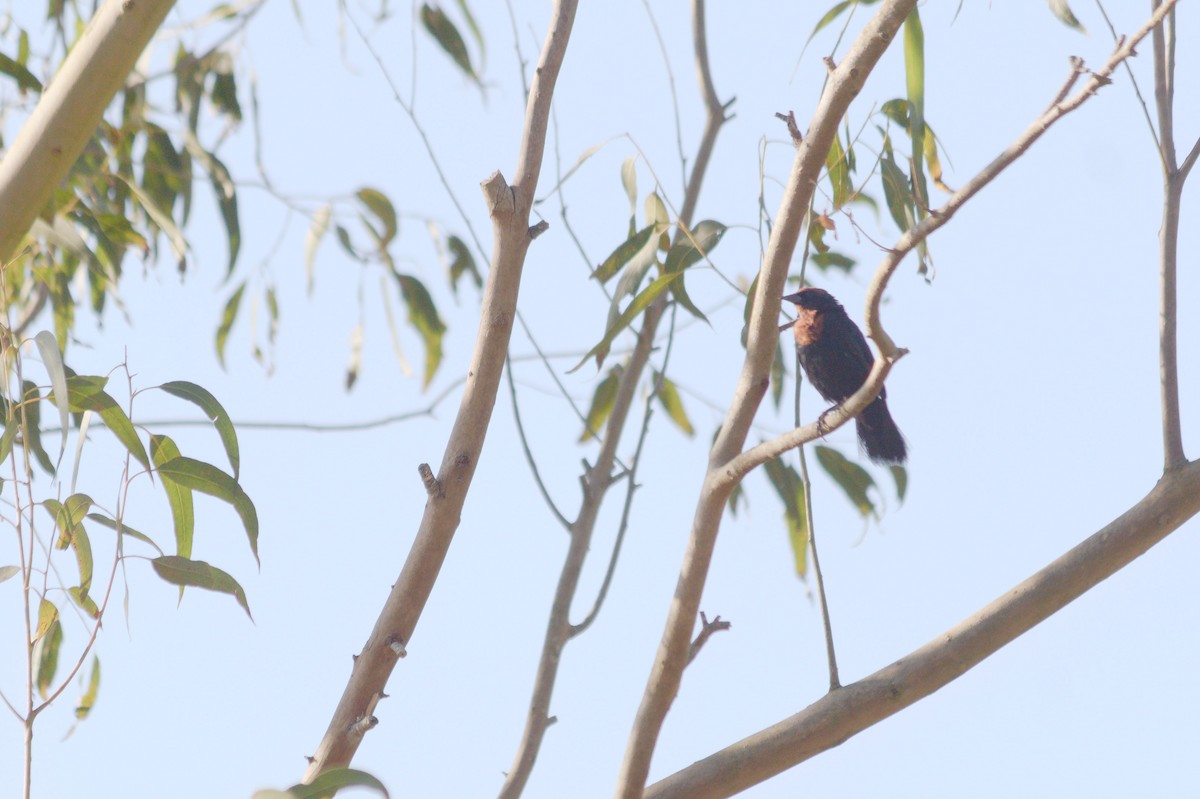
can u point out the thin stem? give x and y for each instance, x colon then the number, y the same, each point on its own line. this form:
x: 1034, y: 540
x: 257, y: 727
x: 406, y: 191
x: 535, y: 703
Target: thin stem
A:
x: 537, y: 477
x: 1137, y: 90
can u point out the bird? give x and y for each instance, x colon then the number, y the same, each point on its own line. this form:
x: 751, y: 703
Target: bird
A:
x: 834, y: 355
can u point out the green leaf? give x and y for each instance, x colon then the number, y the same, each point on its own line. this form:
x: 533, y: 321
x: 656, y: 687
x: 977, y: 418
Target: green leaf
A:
x: 316, y: 231
x: 87, y: 700
x: 200, y: 396
x: 914, y: 75
x: 832, y: 260
x: 208, y: 479
x: 463, y: 264
x: 46, y: 656
x: 629, y: 181
x: 1061, y: 10
x: 184, y: 572
x: 52, y: 359
x: 668, y: 396
x: 423, y: 315
x: 162, y: 218
x: 325, y: 784
x: 47, y: 618
x: 830, y: 15
x: 31, y: 433
x: 839, y: 172
x: 179, y: 497
x: 228, y: 315
x: 900, y: 475
x: 9, y: 572
x: 853, y: 479
x: 623, y: 254
x: 639, y: 304
x: 381, y: 207
x: 80, y: 596
x: 444, y: 32
x: 125, y: 529
x: 85, y: 395
x: 26, y: 81
x: 602, y: 403
x: 790, y: 488
x: 700, y: 243
x: 896, y: 192
x: 226, y: 193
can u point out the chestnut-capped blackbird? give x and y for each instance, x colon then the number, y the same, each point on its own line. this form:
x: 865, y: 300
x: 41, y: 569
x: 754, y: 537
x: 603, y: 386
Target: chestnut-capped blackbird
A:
x: 836, y: 358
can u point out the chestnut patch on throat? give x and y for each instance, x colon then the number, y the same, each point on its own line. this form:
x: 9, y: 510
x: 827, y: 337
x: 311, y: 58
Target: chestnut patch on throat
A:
x: 807, y: 328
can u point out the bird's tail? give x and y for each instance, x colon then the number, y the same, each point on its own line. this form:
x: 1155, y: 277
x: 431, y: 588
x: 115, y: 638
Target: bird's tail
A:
x: 879, y: 435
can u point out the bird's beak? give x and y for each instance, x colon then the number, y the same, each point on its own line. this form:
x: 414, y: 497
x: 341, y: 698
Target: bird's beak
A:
x: 792, y: 298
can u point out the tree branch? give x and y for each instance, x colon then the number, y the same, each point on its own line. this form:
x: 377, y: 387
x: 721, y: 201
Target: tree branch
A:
x: 762, y: 338
x: 69, y: 111
x: 596, y: 482
x: 847, y: 711
x: 726, y: 466
x: 509, y: 208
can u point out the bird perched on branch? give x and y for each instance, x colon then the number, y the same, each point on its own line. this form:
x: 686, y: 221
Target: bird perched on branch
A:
x: 836, y: 359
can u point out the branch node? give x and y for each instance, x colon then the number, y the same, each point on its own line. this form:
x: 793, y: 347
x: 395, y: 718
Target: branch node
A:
x: 499, y: 195
x: 538, y: 229
x: 432, y: 486
x: 364, y: 724
x: 707, y: 628
x: 793, y: 128
x: 830, y: 64
x: 397, y: 646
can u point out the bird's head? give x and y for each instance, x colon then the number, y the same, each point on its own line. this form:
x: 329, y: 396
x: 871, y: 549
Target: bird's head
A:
x: 813, y: 299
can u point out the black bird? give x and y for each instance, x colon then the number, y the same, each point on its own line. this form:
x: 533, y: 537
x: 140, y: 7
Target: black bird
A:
x: 836, y: 358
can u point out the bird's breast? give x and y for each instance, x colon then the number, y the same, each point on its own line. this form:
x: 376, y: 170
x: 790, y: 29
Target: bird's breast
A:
x: 808, y: 326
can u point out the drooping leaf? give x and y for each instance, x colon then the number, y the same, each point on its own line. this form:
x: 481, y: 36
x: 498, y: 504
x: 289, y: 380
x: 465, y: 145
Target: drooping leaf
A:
x: 896, y: 191
x: 354, y: 364
x: 853, y: 479
x: 900, y: 475
x: 208, y: 479
x: 423, y: 315
x: 639, y: 304
x: 839, y: 172
x: 832, y: 260
x: 9, y: 572
x: 830, y: 15
x: 47, y: 617
x: 87, y: 700
x: 446, y: 34
x: 184, y: 572
x: 703, y: 239
x: 228, y: 315
x: 790, y: 488
x: 668, y: 397
x: 629, y: 181
x: 1061, y: 10
x: 623, y: 254
x: 200, y: 396
x: 86, y: 395
x: 125, y: 529
x: 382, y: 209
x: 463, y: 263
x: 914, y: 75
x: 46, y: 656
x: 602, y: 404
x: 26, y: 80
x: 31, y: 434
x: 226, y: 193
x: 179, y: 497
x: 317, y: 228
x: 52, y: 359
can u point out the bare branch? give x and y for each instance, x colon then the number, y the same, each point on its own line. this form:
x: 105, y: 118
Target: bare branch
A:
x: 707, y: 628
x: 762, y: 338
x: 840, y: 714
x: 599, y: 478
x: 509, y: 208
x: 726, y: 465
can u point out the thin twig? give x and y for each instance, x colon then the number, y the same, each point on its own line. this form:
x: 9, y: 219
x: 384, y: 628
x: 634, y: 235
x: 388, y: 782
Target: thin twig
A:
x: 598, y: 478
x: 509, y: 208
x: 537, y: 477
x: 707, y: 628
x: 1137, y: 90
x: 662, y: 49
